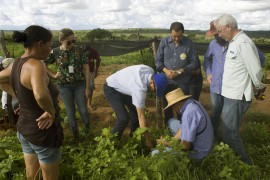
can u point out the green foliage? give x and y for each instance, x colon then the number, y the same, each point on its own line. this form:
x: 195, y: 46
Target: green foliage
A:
x: 257, y: 139
x: 135, y: 37
x: 222, y: 163
x: 141, y: 30
x: 267, y: 61
x: 138, y: 57
x: 11, y: 158
x: 257, y: 133
x: 105, y: 161
x: 98, y: 34
x: 102, y: 157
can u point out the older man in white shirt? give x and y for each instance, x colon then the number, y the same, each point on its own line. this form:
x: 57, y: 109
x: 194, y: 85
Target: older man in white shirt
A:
x: 242, y: 75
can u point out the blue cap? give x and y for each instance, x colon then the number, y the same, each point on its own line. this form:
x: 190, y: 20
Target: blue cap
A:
x: 161, y: 83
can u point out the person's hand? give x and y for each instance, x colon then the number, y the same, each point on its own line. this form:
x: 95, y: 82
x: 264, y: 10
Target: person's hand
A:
x: 161, y: 140
x: 177, y: 72
x: 56, y: 75
x: 45, y: 120
x: 209, y: 78
x: 17, y: 111
x: 259, y: 94
x: 170, y: 73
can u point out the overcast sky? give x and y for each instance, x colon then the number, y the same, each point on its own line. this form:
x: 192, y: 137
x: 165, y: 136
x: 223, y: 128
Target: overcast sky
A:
x: 113, y: 14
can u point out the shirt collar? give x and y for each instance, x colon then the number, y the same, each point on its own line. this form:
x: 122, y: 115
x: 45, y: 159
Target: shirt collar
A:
x: 171, y: 40
x: 184, y: 106
x: 237, y: 35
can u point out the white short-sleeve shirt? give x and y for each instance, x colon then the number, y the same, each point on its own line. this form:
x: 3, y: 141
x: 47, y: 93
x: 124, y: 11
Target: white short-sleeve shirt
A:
x: 132, y: 81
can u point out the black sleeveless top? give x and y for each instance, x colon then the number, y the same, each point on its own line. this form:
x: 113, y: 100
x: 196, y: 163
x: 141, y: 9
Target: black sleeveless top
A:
x: 30, y: 111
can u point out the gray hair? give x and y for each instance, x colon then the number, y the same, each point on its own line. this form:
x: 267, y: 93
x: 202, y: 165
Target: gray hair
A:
x: 227, y: 19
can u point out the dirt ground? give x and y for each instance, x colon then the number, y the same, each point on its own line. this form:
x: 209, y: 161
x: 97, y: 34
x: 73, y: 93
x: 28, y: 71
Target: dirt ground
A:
x: 102, y: 116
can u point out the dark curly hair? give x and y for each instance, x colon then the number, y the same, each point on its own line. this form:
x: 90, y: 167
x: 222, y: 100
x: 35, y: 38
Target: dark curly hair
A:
x: 31, y: 35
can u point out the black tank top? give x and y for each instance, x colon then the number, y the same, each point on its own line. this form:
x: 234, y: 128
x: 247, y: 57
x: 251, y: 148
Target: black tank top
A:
x: 30, y: 111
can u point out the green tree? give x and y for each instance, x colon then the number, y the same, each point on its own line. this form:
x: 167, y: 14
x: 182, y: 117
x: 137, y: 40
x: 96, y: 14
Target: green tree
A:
x: 98, y: 34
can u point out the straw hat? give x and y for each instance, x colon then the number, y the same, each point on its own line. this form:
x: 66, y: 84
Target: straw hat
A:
x: 212, y: 31
x: 175, y: 96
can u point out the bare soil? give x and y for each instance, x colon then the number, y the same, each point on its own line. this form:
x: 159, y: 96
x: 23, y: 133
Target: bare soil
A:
x: 102, y: 117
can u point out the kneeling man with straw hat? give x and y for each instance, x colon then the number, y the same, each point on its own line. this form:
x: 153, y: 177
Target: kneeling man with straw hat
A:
x: 192, y: 127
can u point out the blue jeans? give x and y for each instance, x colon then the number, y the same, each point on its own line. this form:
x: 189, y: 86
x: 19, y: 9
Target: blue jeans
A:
x: 217, y: 101
x: 71, y: 94
x: 232, y: 113
x: 174, y: 125
x: 120, y: 103
x: 195, y: 91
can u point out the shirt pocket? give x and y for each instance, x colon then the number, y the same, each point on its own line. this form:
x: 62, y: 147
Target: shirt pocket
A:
x: 232, y: 54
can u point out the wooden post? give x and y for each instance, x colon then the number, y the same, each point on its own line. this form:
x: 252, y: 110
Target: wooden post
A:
x: 160, y: 121
x: 154, y: 46
x: 138, y: 35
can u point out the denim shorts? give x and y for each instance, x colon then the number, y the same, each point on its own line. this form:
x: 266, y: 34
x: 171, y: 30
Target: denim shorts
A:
x: 45, y: 154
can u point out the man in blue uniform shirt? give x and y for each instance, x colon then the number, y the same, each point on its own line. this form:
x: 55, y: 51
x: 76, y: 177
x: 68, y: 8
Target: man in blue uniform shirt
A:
x: 193, y: 128
x: 176, y: 58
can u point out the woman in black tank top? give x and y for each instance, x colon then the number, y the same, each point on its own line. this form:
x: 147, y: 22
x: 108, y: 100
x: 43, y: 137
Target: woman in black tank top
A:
x: 38, y: 127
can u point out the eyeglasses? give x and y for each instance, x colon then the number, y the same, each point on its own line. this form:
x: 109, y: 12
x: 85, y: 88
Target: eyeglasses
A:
x: 221, y: 30
x: 72, y: 41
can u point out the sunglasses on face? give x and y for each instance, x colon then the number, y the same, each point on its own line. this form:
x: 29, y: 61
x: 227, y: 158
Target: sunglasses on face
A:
x: 70, y: 42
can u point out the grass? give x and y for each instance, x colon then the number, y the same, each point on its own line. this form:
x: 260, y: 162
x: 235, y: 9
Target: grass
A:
x: 138, y: 57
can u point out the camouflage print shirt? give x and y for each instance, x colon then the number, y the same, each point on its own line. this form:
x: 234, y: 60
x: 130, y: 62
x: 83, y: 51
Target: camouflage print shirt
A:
x: 69, y: 63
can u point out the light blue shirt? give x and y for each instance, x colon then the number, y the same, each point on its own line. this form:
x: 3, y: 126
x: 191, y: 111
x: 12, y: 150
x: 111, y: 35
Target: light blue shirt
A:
x: 132, y: 81
x: 196, y: 128
x: 213, y: 64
